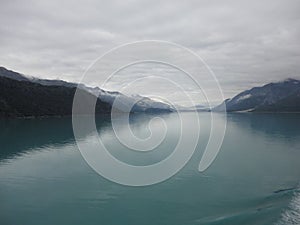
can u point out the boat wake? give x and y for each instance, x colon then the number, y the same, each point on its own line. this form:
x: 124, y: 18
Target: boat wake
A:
x: 291, y: 216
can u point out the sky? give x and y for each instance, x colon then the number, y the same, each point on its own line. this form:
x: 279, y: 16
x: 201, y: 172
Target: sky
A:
x: 245, y: 43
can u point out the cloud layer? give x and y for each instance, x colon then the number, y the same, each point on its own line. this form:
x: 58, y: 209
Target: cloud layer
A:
x: 245, y: 43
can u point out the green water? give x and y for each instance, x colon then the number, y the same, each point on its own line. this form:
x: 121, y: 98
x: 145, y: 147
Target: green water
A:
x: 254, y: 179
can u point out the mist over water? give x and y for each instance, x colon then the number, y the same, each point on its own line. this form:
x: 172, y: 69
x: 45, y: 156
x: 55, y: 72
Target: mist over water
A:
x: 254, y: 179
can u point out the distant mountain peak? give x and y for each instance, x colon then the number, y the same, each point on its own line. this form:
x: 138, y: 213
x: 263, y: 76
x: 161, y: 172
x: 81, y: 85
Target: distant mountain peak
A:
x: 292, y: 80
x: 281, y: 96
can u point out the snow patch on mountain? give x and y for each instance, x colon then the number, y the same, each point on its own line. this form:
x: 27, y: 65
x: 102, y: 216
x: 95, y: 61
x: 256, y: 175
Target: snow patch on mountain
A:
x: 244, y: 97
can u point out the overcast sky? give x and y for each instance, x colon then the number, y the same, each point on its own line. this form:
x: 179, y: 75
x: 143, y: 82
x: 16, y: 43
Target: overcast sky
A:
x: 245, y: 43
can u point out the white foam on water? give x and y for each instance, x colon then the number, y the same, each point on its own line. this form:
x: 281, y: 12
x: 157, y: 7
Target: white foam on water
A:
x: 291, y: 216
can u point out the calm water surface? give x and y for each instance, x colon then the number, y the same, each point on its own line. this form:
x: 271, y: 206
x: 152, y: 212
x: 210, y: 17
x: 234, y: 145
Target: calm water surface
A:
x: 254, y: 180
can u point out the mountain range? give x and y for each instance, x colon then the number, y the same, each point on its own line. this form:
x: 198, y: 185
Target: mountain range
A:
x: 282, y: 96
x: 25, y: 96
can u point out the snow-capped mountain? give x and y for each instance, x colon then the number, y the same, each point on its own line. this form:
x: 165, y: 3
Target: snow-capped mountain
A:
x: 278, y: 97
x: 138, y: 103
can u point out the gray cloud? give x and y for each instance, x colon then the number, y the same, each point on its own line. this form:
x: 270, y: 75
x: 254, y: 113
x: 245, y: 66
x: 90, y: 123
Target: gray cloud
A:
x: 246, y: 43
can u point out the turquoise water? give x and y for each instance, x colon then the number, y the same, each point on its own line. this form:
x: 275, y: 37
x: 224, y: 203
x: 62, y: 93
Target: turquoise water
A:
x: 254, y: 179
